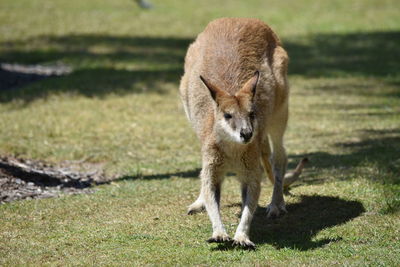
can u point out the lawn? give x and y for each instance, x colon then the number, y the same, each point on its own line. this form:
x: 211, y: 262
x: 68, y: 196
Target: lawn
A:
x: 120, y: 108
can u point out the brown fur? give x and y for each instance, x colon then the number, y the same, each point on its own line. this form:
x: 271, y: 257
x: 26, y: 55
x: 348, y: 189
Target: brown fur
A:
x: 221, y: 79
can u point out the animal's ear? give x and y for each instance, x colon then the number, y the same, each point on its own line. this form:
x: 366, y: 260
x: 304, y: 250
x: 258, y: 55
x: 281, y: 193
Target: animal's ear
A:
x: 249, y: 88
x: 214, y: 91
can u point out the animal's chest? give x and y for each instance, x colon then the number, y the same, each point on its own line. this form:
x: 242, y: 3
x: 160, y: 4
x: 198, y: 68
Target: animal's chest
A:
x: 234, y: 159
x: 233, y: 165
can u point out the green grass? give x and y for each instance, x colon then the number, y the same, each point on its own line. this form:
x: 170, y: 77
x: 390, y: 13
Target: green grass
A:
x: 120, y: 108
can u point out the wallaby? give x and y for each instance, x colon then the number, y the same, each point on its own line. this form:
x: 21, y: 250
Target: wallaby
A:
x: 235, y: 95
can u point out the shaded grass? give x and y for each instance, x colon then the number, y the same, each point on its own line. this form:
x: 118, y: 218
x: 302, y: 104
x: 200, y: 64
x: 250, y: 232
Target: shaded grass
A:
x: 354, y: 54
x: 304, y: 220
x: 120, y: 107
x: 141, y: 64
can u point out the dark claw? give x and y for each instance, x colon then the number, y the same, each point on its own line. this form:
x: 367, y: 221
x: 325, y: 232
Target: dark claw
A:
x: 194, y: 211
x: 191, y: 212
x: 219, y: 240
x: 244, y: 245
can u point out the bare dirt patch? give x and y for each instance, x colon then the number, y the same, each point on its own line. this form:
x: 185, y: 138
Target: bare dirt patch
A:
x: 28, y: 179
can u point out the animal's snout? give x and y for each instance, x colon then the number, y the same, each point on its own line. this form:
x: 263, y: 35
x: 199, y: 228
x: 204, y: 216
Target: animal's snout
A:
x: 246, y: 134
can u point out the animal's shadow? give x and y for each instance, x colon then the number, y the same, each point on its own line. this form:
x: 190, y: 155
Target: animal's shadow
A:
x: 297, y: 229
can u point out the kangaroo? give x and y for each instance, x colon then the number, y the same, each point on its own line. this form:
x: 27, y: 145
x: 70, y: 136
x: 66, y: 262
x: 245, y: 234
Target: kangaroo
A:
x: 235, y: 94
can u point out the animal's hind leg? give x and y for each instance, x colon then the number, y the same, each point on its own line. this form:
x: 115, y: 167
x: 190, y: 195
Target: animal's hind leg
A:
x: 199, y: 204
x: 196, y: 206
x: 266, y: 159
x: 279, y: 158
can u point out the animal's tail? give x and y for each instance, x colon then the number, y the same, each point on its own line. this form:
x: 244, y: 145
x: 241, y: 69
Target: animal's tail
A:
x: 292, y: 177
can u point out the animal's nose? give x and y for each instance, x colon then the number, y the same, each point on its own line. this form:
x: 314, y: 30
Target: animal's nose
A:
x: 246, y: 134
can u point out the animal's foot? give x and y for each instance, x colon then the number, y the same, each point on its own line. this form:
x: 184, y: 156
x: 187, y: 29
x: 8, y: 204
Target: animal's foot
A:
x: 276, y: 210
x: 243, y: 241
x: 196, y: 207
x: 220, y: 237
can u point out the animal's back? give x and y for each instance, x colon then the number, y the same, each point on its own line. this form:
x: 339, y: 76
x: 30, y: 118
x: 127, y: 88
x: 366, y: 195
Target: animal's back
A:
x: 233, y: 49
x: 227, y: 53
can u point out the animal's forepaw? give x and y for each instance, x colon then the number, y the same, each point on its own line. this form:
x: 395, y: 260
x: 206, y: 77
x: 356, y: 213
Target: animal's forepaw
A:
x: 219, y: 238
x: 243, y: 242
x: 274, y: 210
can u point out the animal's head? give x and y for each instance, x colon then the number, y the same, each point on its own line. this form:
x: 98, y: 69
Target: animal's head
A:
x: 235, y: 114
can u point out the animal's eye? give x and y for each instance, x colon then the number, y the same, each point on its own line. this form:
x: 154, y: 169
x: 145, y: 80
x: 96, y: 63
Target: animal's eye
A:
x: 252, y: 115
x: 227, y: 116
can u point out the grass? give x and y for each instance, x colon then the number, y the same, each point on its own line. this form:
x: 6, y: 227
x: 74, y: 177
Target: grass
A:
x: 120, y: 108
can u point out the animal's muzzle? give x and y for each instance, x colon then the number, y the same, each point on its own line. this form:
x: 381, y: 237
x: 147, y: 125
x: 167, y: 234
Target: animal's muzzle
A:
x: 246, y: 135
